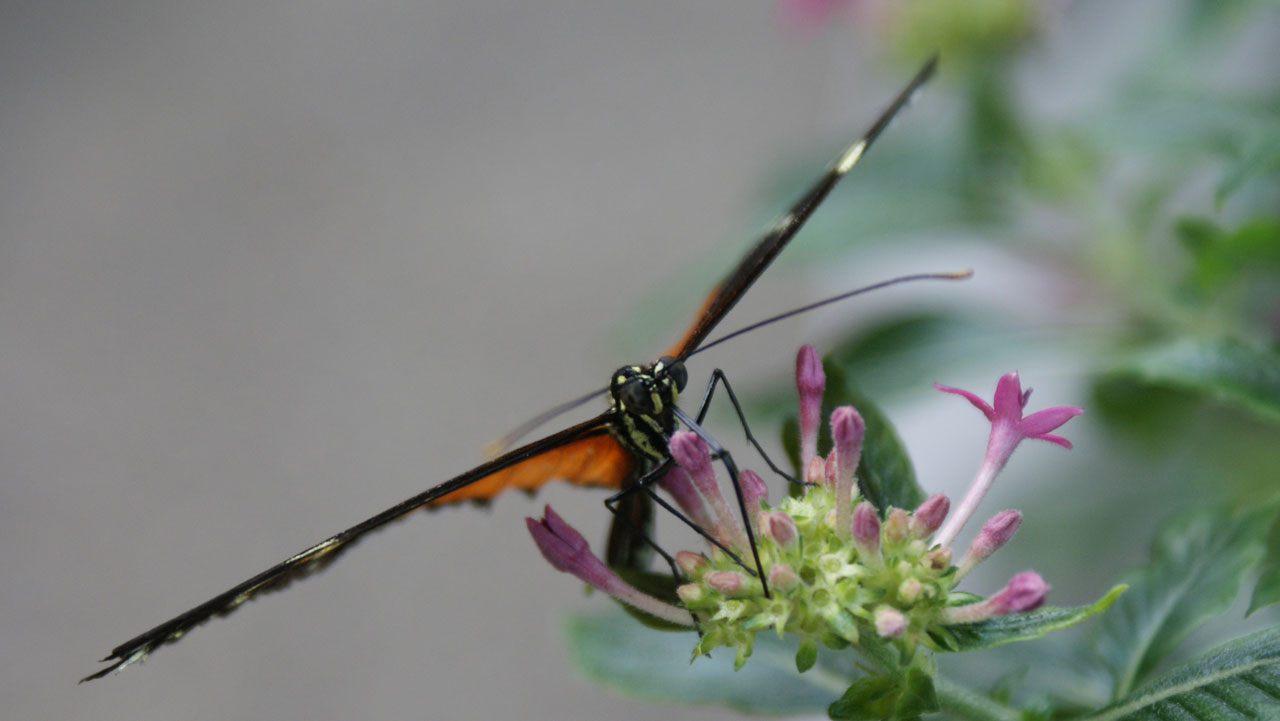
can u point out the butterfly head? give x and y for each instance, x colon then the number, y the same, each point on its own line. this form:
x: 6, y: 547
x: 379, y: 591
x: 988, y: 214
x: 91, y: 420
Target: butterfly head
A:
x: 644, y: 399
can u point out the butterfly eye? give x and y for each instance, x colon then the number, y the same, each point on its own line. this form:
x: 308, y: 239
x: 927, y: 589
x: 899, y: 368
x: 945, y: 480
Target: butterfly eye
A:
x: 675, y: 371
x: 634, y: 395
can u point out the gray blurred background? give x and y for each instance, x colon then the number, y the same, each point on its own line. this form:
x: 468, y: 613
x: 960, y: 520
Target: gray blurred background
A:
x: 268, y: 268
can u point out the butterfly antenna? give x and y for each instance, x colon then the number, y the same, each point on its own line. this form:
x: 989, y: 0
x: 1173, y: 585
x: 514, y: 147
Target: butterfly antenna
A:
x: 494, y: 448
x: 953, y: 275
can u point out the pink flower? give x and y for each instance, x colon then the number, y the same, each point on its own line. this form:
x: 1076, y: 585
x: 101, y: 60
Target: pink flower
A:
x: 995, y: 533
x: 566, y: 550
x: 1024, y: 592
x: 1008, y: 429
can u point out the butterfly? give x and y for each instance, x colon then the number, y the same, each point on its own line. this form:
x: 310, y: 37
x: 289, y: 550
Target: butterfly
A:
x: 616, y: 449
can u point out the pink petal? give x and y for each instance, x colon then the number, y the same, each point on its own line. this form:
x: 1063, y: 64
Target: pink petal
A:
x: 971, y: 397
x: 1008, y: 399
x: 566, y: 533
x: 1056, y: 439
x: 1039, y: 423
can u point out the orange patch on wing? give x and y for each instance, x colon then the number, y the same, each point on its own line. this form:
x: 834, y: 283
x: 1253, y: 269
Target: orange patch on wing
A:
x: 597, y: 460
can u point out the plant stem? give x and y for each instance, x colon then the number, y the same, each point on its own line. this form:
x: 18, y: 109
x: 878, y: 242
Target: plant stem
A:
x: 966, y: 704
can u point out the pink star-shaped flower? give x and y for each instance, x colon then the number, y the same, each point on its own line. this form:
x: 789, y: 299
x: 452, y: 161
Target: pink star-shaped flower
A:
x: 1008, y: 429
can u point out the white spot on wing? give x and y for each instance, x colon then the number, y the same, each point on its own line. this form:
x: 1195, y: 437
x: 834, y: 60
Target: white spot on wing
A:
x: 850, y: 157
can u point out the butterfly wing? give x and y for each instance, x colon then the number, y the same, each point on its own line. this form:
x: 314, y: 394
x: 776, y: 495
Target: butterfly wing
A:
x: 584, y: 454
x: 727, y: 294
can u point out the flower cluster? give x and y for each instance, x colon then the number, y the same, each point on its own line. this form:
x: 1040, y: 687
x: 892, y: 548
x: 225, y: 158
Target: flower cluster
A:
x: 837, y: 569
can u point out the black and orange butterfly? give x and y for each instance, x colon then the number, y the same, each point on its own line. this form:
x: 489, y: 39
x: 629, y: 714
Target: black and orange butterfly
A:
x: 622, y: 448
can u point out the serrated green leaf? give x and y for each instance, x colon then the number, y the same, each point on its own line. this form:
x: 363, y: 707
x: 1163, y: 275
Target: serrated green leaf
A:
x: 615, y: 651
x: 1226, y: 369
x: 1198, y: 561
x: 870, y: 698
x: 1239, y: 681
x: 1023, y: 626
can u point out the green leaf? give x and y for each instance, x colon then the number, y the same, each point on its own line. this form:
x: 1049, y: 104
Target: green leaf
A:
x: 806, y: 654
x: 1238, y: 681
x: 1225, y: 369
x: 1023, y: 626
x: 613, y: 650
x: 918, y: 695
x: 1198, y: 561
x: 870, y: 698
x: 1267, y: 591
x: 1262, y: 159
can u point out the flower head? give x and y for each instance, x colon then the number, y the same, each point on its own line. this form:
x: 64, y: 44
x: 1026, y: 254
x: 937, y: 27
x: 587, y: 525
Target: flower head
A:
x: 840, y: 569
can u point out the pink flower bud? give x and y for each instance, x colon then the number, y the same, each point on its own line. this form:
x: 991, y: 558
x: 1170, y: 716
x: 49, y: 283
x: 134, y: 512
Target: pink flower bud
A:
x: 929, y: 515
x: 782, y: 577
x: 938, y: 559
x: 897, y: 526
x: 866, y: 529
x: 690, y: 453
x: 691, y: 593
x: 677, y: 484
x: 829, y: 470
x: 566, y: 550
x: 847, y: 429
x: 1024, y: 592
x: 995, y: 533
x: 890, y: 623
x: 909, y: 590
x: 727, y: 582
x: 815, y: 471
x: 754, y: 491
x: 693, y: 565
x: 778, y: 526
x: 809, y: 381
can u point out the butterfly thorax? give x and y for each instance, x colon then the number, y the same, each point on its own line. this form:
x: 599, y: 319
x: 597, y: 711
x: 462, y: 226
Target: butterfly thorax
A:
x: 643, y: 401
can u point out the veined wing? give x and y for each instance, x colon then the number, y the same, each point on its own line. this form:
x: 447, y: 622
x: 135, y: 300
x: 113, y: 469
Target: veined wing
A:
x: 585, y: 454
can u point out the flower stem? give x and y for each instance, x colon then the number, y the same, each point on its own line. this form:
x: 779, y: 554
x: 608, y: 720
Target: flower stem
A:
x: 966, y: 704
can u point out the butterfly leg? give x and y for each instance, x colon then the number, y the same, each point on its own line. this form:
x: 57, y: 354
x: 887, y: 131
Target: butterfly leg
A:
x: 718, y: 377
x: 644, y: 485
x: 718, y: 451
